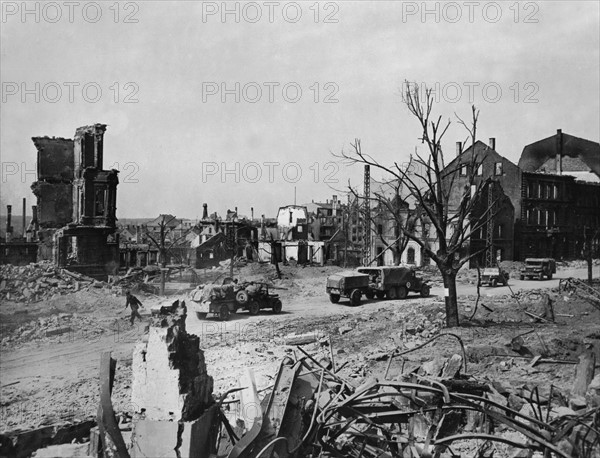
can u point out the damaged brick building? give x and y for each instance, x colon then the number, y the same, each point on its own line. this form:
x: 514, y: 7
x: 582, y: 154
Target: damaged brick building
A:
x: 504, y: 192
x: 76, y: 203
x: 560, y: 195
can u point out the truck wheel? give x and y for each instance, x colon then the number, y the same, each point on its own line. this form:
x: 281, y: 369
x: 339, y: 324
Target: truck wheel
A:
x: 334, y: 298
x: 355, y: 298
x: 224, y: 313
x: 425, y: 291
x: 402, y: 292
x: 370, y: 294
x: 521, y: 277
x: 241, y: 297
x: 380, y: 294
x: 391, y: 294
x: 494, y: 282
x: 201, y: 316
x: 253, y: 307
x: 277, y: 306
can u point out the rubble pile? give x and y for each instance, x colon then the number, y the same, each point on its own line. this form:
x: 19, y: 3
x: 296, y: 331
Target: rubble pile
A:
x: 62, y: 327
x: 39, y: 281
x: 434, y: 410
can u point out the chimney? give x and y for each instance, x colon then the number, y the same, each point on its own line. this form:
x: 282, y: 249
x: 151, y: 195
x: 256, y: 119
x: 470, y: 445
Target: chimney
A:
x: 559, y: 151
x: 32, y: 229
x: 34, y: 217
x: 235, y: 211
x: 137, y: 234
x: 492, y: 143
x: 458, y: 148
x: 252, y: 213
x: 8, y: 222
x: 24, y: 217
x: 204, y: 211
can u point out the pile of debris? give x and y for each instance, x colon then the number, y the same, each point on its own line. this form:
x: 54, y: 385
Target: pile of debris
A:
x: 39, y: 281
x: 62, y: 327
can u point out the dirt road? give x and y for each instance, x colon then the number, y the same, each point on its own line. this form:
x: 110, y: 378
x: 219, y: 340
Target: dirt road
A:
x: 38, y: 380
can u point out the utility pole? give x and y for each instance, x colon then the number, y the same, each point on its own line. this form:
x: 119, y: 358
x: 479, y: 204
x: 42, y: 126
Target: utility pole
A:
x: 489, y: 238
x: 367, y: 217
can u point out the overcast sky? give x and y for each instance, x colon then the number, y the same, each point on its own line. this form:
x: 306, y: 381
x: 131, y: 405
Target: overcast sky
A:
x: 327, y: 72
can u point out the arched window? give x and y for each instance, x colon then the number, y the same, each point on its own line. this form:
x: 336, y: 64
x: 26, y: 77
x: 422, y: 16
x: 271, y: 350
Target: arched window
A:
x: 410, y: 256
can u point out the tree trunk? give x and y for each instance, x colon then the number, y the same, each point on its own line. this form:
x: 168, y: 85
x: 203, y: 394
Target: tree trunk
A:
x: 450, y: 297
x: 163, y: 266
x: 589, y: 263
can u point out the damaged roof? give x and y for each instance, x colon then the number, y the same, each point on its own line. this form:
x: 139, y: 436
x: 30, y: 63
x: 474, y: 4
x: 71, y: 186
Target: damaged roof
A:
x: 579, y: 155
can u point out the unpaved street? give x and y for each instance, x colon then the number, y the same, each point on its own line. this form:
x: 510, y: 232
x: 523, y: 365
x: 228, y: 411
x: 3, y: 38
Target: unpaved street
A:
x: 45, y: 379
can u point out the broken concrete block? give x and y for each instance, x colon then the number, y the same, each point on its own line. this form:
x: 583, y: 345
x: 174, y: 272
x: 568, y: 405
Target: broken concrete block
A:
x: 171, y: 390
x: 302, y: 339
x: 577, y: 403
x: 452, y: 367
x: 170, y: 381
x: 58, y: 331
x: 344, y: 329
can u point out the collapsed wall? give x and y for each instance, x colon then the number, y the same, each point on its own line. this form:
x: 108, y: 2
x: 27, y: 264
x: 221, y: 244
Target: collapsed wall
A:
x: 171, y: 391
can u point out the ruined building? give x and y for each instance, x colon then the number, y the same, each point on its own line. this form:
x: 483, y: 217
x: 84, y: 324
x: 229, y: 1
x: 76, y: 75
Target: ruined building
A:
x: 19, y: 248
x: 77, y: 203
x: 504, y: 193
x: 560, y: 211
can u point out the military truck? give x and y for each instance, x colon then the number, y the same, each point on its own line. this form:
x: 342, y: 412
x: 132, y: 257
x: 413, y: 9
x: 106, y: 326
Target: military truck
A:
x: 256, y: 296
x: 494, y: 275
x: 349, y: 284
x: 538, y: 268
x: 228, y: 298
x: 394, y: 282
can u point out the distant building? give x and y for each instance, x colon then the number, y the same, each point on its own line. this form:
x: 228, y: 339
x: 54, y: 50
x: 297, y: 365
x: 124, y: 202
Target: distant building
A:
x: 560, y: 197
x: 219, y: 239
x: 504, y: 193
x: 76, y: 203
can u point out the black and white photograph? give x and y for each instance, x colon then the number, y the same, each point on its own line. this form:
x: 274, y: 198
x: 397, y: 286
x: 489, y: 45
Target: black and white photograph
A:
x: 300, y: 229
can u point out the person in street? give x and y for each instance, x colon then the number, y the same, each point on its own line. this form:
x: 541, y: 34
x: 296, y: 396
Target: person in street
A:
x: 135, y: 304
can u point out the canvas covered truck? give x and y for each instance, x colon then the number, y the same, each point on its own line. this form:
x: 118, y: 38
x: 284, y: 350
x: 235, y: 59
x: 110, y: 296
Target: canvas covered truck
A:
x: 223, y: 300
x: 538, y: 268
x: 394, y: 282
x: 349, y: 284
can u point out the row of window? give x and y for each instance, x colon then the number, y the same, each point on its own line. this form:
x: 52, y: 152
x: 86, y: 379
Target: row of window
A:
x: 464, y: 170
x: 542, y: 191
x: 541, y: 217
x: 481, y: 233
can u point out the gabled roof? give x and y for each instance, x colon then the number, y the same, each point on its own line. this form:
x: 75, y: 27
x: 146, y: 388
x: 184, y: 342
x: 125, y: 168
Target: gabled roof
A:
x: 479, y: 150
x: 212, y: 242
x: 578, y: 155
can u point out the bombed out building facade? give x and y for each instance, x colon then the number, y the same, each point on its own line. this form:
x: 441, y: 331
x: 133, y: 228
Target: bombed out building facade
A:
x: 76, y: 203
x: 546, y: 206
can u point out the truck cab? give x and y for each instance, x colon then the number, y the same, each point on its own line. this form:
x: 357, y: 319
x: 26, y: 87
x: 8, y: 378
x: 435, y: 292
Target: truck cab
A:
x: 538, y: 268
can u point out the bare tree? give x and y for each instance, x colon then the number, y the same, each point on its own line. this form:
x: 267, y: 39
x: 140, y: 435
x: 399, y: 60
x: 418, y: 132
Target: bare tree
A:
x: 431, y: 184
x: 165, y: 240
